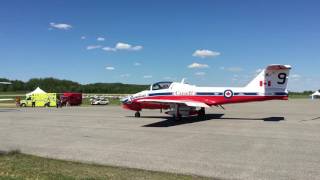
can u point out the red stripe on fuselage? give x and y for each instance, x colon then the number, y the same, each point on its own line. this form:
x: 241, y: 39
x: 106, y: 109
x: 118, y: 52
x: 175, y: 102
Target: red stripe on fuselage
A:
x: 210, y: 100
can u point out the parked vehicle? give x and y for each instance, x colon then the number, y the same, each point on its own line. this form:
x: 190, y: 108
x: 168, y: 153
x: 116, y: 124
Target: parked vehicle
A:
x: 71, y: 99
x: 99, y: 101
x: 40, y: 100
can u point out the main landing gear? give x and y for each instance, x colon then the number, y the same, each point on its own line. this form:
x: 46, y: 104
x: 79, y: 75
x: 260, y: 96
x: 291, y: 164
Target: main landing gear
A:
x: 137, y: 114
x: 202, y: 113
x: 177, y: 115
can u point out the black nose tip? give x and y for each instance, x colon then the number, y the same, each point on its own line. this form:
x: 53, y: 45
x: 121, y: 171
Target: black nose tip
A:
x: 125, y: 101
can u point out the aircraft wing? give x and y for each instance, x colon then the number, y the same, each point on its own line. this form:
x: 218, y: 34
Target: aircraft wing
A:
x: 6, y: 99
x: 167, y: 101
x: 5, y: 82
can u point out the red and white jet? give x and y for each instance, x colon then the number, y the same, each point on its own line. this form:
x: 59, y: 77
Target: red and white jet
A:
x: 182, y: 99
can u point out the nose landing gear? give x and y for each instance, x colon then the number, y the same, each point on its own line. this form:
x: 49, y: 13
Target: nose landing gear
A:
x: 137, y: 114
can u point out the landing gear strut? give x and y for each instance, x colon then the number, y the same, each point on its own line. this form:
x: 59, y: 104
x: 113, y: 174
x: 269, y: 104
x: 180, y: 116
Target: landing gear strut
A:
x: 137, y: 114
x: 201, y: 113
x: 177, y: 115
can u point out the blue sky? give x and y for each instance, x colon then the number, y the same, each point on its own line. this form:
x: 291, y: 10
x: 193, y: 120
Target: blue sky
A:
x: 212, y: 43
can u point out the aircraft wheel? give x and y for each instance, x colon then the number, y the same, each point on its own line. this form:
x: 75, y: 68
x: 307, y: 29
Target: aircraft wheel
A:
x: 137, y: 114
x: 201, y: 113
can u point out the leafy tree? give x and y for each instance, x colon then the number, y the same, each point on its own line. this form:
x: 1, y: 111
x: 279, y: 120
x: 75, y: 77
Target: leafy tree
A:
x: 60, y: 86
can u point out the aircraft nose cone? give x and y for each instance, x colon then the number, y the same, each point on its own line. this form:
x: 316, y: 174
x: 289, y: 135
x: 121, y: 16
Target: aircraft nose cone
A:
x: 126, y: 100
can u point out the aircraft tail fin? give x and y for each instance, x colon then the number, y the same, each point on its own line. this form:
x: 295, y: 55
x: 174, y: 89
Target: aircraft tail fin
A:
x: 272, y: 79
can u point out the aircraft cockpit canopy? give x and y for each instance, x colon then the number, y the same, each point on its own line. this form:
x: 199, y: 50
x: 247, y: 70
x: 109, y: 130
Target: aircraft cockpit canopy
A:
x: 161, y: 85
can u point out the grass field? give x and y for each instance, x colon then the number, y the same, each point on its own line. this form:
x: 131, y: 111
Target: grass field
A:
x: 14, y: 165
x: 299, y: 96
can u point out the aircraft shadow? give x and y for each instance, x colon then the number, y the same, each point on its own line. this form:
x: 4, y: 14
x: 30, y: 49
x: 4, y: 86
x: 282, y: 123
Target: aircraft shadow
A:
x: 258, y: 119
x: 9, y: 110
x: 172, y: 122
x: 316, y: 118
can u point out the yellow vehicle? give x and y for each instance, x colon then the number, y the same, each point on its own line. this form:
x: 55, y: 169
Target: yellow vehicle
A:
x: 40, y: 100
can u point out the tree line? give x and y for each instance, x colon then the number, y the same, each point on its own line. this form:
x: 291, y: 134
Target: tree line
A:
x: 60, y: 86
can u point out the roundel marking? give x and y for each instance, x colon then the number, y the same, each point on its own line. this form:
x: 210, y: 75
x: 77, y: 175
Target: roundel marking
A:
x: 228, y: 93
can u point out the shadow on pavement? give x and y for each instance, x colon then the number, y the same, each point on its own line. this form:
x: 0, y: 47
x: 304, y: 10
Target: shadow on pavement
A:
x: 8, y: 110
x: 257, y: 119
x: 169, y: 121
x: 316, y: 118
x: 173, y: 122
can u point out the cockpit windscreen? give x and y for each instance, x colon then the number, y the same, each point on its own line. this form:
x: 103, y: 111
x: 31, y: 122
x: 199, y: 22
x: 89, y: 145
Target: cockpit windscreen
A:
x: 160, y: 85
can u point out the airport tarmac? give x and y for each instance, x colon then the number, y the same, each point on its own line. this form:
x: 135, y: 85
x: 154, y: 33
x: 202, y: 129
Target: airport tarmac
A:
x: 265, y: 140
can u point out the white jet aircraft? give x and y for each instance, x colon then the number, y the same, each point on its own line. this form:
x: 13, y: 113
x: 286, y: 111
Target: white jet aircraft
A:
x: 185, y: 100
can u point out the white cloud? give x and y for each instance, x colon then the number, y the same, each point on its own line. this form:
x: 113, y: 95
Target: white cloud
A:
x: 83, y: 37
x: 93, y: 47
x: 137, y: 64
x: 147, y: 76
x: 125, y: 75
x: 200, y: 73
x: 197, y: 65
x: 234, y: 69
x: 100, y: 39
x: 259, y: 71
x: 60, y: 26
x: 295, y: 77
x: 235, y: 77
x: 203, y: 53
x: 109, y: 49
x: 110, y: 68
x: 136, y: 48
x: 123, y: 46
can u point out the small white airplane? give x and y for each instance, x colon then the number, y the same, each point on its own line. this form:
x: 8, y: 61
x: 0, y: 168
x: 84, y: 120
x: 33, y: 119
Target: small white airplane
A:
x: 182, y: 99
x: 7, y: 84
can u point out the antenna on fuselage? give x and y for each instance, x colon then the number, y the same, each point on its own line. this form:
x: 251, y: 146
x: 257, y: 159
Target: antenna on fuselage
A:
x: 182, y: 81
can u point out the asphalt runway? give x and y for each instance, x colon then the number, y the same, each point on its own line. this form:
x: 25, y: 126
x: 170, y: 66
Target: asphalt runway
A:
x: 266, y: 140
